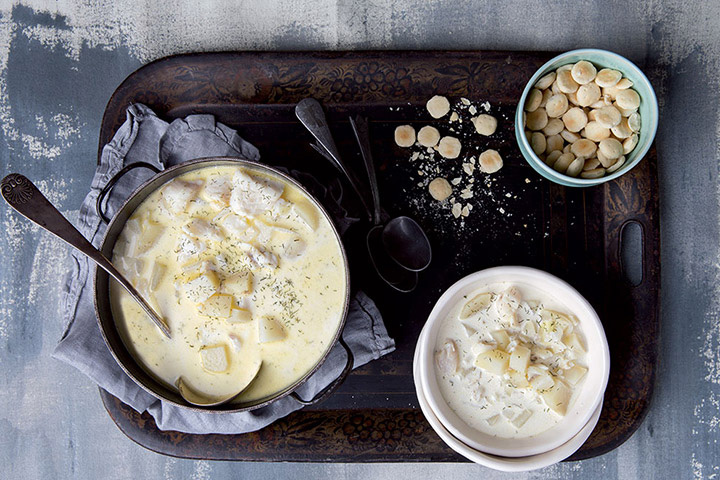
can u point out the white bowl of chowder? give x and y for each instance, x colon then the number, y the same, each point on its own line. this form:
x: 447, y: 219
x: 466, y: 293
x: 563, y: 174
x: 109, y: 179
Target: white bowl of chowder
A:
x: 515, y: 361
x: 506, y: 464
x: 246, y: 268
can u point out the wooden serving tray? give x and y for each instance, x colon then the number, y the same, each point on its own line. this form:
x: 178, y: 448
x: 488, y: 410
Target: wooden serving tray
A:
x: 518, y: 218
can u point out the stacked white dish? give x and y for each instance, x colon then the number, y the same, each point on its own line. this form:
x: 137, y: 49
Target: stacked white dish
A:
x: 537, y: 451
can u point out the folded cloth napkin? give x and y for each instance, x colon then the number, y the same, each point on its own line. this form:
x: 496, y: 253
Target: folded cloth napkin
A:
x: 146, y: 138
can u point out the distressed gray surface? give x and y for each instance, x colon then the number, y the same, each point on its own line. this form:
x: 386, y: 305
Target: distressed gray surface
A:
x: 61, y: 60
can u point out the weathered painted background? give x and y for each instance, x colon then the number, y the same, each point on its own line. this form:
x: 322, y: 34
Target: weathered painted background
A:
x: 61, y: 60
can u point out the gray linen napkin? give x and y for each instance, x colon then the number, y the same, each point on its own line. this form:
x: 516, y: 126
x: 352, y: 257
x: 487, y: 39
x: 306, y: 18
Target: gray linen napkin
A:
x: 145, y: 137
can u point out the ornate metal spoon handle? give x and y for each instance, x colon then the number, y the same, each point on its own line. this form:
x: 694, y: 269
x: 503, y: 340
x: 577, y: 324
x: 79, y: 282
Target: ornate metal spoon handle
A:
x: 311, y: 115
x: 362, y: 135
x: 23, y: 196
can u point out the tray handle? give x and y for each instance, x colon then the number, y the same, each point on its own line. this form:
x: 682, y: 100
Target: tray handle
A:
x: 631, y: 249
x: 108, y: 186
x: 330, y: 389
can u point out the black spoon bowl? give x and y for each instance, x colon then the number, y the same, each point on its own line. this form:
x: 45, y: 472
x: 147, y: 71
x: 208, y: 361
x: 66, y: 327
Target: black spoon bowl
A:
x: 387, y: 267
x: 407, y: 244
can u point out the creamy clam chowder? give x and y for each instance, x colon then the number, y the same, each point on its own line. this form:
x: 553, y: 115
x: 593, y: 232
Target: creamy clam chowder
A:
x: 510, y: 360
x: 245, y: 270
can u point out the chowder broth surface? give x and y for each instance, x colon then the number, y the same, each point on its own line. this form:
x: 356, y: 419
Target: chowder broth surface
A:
x: 510, y: 360
x: 244, y: 268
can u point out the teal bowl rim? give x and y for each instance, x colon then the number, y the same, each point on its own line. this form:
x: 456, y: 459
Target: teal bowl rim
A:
x: 541, y: 167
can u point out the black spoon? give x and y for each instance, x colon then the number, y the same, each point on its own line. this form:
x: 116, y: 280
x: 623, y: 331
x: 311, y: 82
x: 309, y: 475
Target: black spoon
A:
x: 399, y: 249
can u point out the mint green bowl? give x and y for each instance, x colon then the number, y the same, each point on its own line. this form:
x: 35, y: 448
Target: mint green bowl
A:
x: 648, y: 113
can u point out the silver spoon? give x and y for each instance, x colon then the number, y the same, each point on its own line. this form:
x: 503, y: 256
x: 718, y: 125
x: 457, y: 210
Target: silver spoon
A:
x: 190, y: 395
x: 311, y: 115
x: 24, y: 196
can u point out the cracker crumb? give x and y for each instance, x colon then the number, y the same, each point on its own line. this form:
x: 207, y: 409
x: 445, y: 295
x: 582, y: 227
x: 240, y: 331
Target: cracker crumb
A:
x: 456, y: 210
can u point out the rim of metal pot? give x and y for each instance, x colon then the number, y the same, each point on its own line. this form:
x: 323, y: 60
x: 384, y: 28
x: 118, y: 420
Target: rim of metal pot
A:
x: 170, y: 173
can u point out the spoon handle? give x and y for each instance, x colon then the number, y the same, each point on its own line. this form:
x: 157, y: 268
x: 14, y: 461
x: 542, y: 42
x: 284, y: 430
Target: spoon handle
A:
x: 311, y: 115
x: 360, y: 127
x: 24, y: 196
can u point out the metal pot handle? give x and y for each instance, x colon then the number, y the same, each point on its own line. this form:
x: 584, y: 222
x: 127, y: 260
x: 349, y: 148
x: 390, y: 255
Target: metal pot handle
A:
x: 330, y: 389
x: 106, y: 189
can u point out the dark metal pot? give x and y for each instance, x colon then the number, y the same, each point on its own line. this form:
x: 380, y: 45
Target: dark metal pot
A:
x: 102, y: 291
